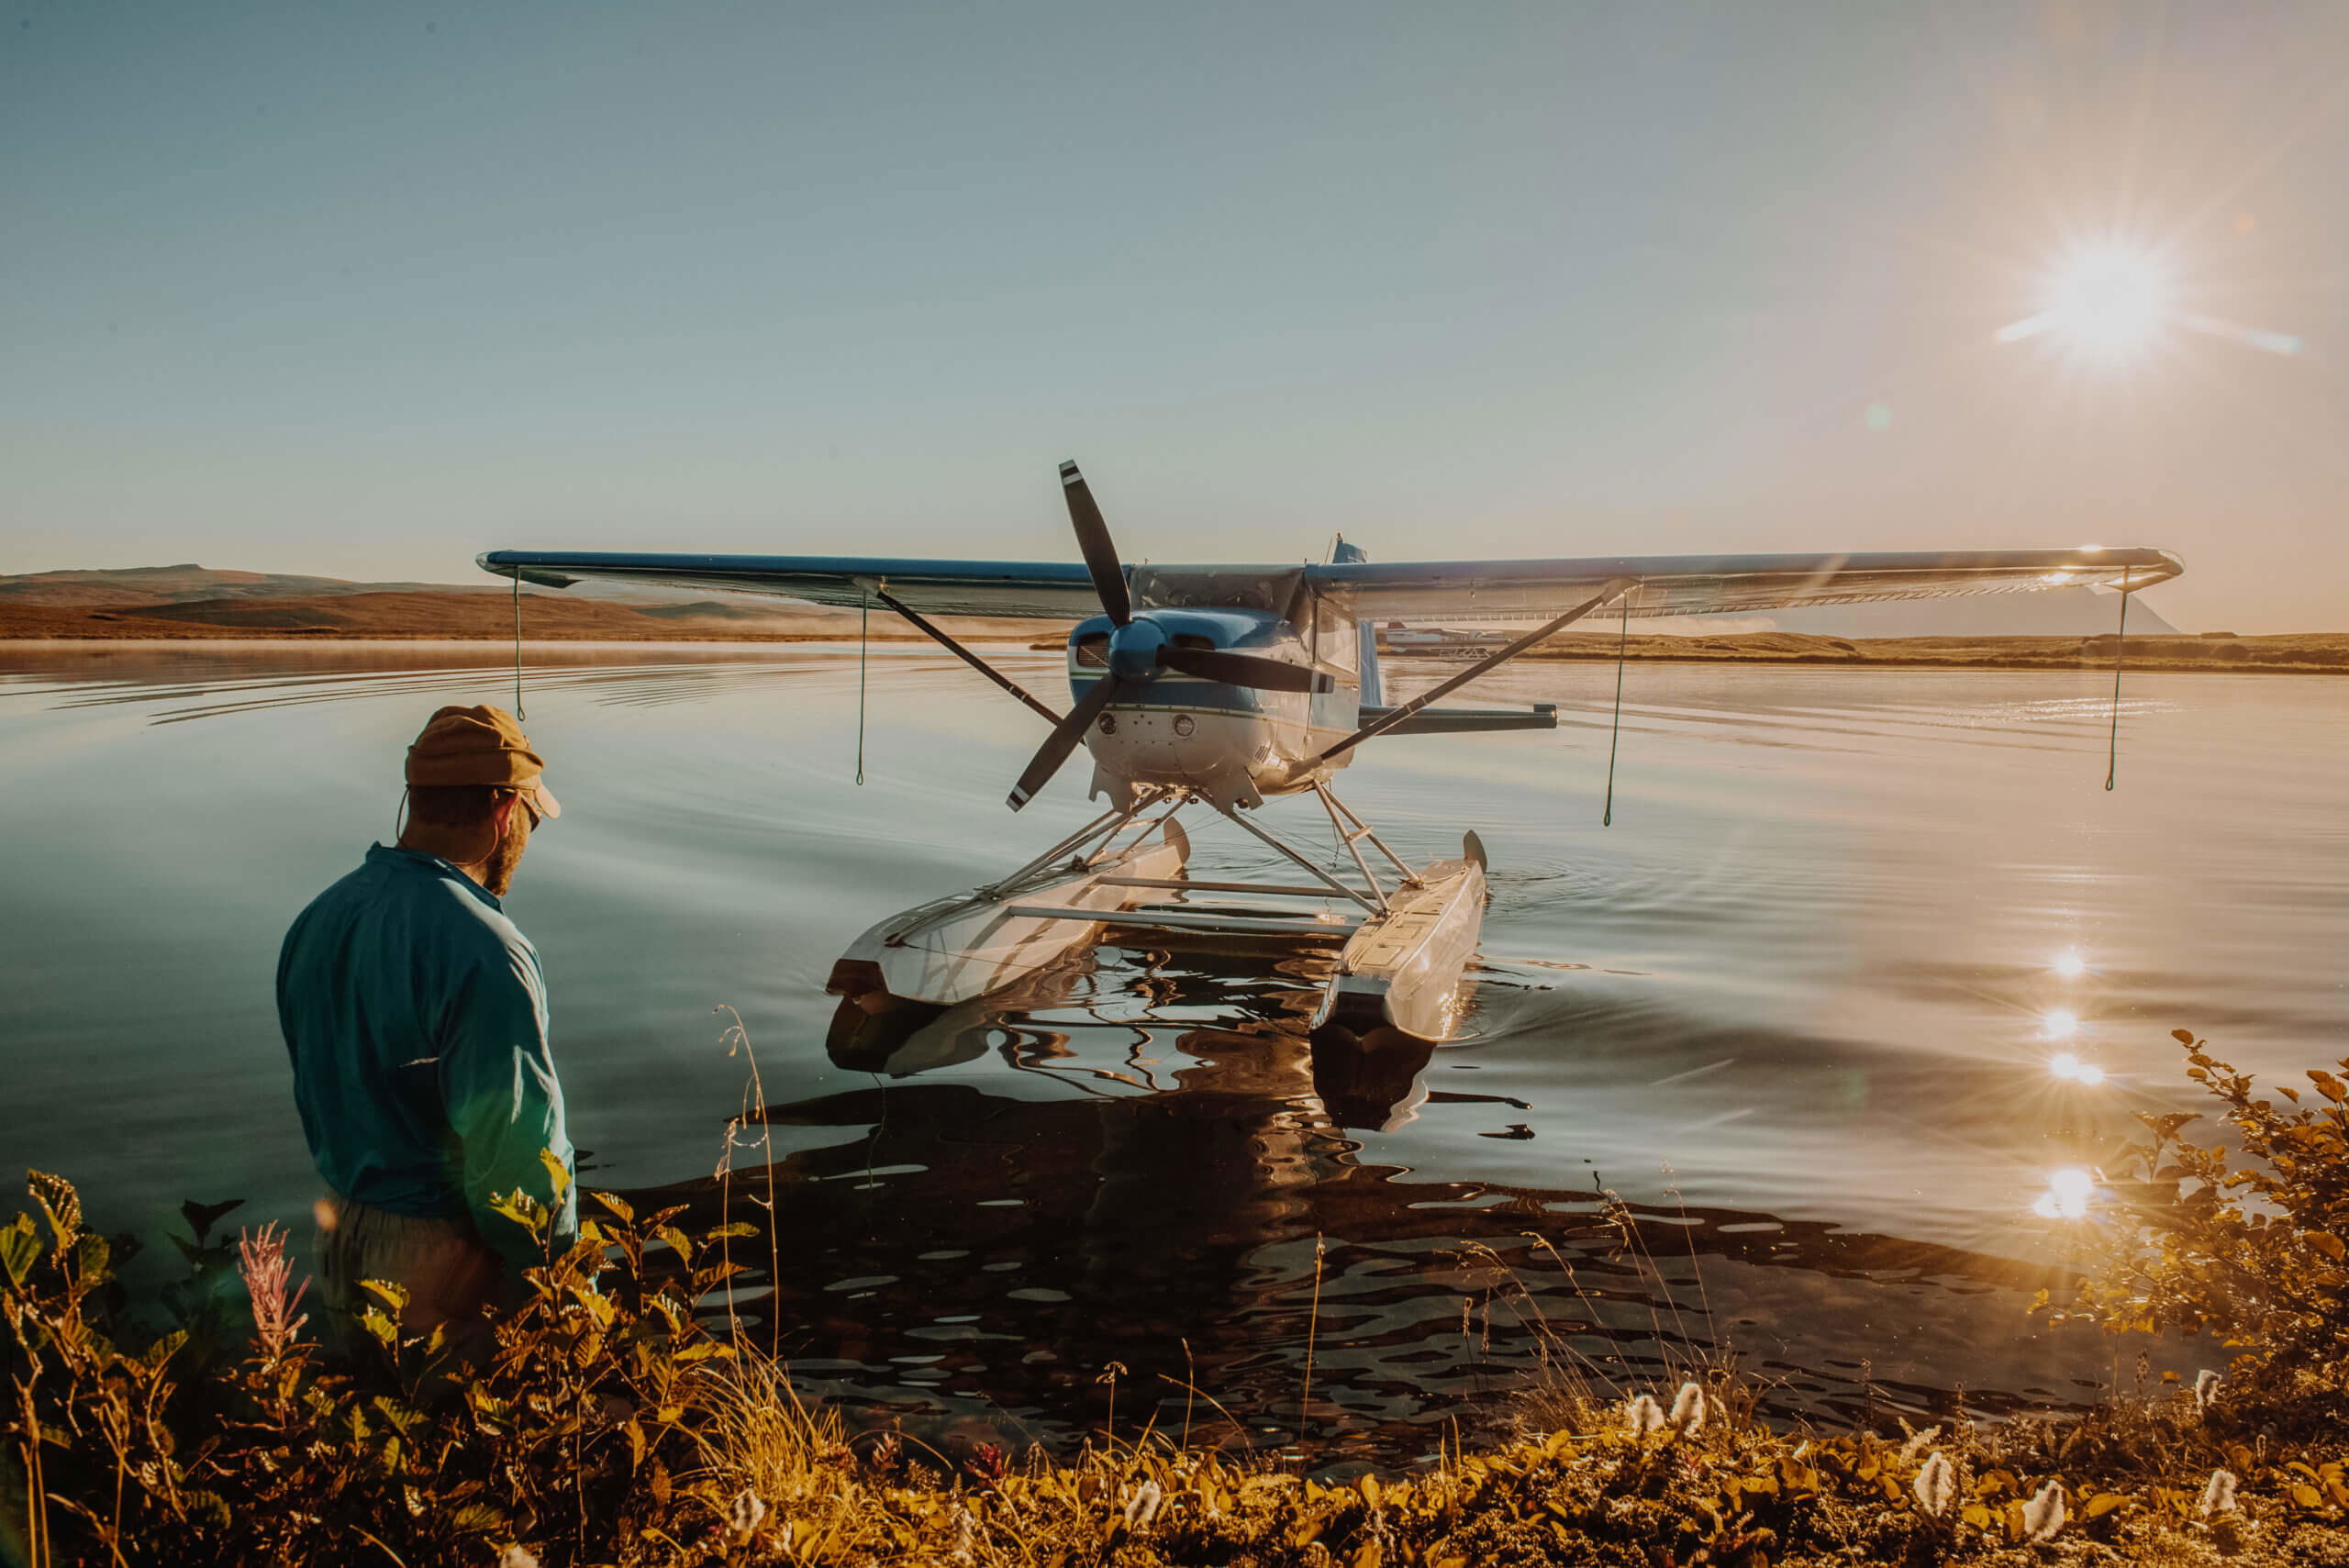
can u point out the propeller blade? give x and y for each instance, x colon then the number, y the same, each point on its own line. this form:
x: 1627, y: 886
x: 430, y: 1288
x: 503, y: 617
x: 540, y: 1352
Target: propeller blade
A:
x: 1093, y: 539
x: 1243, y: 670
x: 1063, y: 738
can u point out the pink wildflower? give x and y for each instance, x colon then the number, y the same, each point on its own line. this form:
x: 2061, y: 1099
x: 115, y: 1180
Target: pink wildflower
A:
x: 267, y: 1272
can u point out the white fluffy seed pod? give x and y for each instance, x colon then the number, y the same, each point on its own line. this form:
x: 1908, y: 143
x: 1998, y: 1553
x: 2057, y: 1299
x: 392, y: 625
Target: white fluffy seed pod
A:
x: 1642, y: 1416
x: 2044, y: 1514
x: 1142, y: 1506
x: 1689, y: 1408
x: 1936, y: 1485
x: 2218, y: 1494
x: 2206, y: 1388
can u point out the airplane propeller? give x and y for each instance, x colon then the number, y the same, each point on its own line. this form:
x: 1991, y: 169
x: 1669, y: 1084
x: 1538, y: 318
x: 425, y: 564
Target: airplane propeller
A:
x: 1240, y: 669
x: 1064, y: 737
x: 1137, y: 650
x: 1093, y: 542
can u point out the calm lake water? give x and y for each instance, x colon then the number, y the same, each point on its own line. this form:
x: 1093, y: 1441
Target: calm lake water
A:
x: 1796, y: 1009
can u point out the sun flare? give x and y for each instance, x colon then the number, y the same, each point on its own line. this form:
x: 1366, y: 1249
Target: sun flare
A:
x: 2110, y: 302
x: 2106, y: 303
x: 2068, y: 1195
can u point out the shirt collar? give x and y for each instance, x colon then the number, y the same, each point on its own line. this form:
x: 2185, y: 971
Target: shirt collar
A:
x: 393, y: 856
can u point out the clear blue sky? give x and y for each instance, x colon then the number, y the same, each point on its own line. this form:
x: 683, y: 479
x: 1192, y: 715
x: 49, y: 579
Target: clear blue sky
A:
x: 362, y: 290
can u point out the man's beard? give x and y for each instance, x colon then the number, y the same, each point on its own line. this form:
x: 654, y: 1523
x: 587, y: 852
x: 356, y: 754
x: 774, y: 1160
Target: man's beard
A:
x: 498, y: 872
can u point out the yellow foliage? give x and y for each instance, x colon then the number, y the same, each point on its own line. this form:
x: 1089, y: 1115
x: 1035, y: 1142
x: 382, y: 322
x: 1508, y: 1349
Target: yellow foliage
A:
x: 611, y: 1426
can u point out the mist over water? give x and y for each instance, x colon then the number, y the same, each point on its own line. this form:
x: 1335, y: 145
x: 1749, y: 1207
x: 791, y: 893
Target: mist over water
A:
x: 1797, y: 1011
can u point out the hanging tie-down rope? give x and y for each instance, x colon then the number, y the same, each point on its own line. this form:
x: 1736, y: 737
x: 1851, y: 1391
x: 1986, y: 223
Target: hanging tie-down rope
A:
x: 517, y: 646
x: 1615, y: 731
x: 2120, y: 648
x: 863, y: 623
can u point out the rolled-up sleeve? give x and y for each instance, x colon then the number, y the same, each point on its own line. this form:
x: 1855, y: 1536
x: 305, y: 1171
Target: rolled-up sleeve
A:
x: 504, y: 1103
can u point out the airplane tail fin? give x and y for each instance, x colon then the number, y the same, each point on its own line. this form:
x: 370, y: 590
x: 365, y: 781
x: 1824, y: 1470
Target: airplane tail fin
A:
x: 1343, y: 554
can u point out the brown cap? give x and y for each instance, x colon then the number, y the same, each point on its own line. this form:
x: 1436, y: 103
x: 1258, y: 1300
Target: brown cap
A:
x: 480, y: 746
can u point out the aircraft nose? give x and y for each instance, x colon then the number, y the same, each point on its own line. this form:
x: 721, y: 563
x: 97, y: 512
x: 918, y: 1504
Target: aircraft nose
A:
x: 1133, y: 650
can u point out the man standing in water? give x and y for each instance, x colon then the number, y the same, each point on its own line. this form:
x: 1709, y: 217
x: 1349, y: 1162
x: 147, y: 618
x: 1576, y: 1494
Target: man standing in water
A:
x: 417, y: 1018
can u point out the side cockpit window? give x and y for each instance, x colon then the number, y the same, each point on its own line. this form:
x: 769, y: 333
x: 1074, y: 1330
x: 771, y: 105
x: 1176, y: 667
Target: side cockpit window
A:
x: 1337, y: 645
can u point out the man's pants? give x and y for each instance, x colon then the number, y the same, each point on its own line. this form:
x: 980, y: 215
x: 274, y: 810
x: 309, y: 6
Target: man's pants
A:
x: 453, y: 1279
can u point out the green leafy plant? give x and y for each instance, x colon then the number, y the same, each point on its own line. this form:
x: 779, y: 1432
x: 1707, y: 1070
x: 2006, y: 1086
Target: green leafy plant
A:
x: 572, y: 1427
x: 2244, y: 1246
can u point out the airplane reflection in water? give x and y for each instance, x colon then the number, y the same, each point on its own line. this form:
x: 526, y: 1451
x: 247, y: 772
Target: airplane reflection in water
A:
x: 1139, y: 1189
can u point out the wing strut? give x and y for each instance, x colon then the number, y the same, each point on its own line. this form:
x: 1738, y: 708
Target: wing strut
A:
x: 966, y: 656
x: 1395, y: 715
x: 2120, y: 649
x: 1615, y: 727
x: 864, y: 648
x: 518, y: 711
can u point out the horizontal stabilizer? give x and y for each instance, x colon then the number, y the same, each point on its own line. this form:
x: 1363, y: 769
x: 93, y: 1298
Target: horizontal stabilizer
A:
x: 1466, y: 721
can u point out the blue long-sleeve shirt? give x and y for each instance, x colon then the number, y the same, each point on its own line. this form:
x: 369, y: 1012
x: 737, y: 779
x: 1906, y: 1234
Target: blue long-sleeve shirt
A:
x: 417, y: 1018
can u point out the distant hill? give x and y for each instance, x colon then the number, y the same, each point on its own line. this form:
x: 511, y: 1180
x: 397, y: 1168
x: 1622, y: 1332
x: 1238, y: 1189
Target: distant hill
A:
x: 2050, y: 612
x: 2305, y: 654
x: 180, y: 584
x: 189, y: 583
x: 191, y: 601
x: 421, y: 613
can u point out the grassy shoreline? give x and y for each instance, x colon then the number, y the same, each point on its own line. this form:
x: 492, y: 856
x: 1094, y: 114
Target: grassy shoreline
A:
x: 622, y: 1418
x: 613, y: 1425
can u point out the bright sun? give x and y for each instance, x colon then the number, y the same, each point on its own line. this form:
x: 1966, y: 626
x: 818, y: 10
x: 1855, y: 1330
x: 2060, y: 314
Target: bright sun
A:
x: 2107, y: 303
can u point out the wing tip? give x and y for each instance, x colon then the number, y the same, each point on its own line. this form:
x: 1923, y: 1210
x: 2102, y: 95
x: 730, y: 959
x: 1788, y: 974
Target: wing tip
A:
x: 489, y: 561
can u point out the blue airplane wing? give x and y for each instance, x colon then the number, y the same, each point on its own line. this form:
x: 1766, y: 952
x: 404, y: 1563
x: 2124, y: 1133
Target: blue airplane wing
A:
x: 1048, y: 590
x: 1421, y: 591
x: 1453, y: 591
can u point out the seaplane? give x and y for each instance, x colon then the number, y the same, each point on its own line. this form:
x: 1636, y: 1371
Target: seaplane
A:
x: 1217, y: 689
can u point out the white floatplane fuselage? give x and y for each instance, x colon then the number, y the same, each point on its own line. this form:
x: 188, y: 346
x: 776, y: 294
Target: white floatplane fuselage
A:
x: 1232, y: 745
